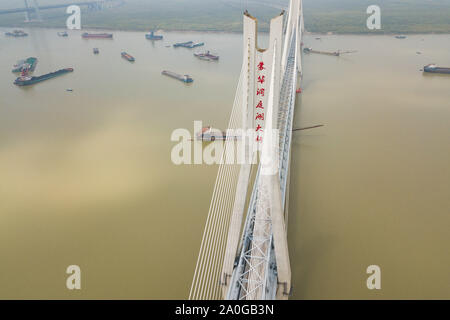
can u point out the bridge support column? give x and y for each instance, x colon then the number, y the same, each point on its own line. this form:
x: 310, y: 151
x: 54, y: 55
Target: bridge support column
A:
x: 280, y: 239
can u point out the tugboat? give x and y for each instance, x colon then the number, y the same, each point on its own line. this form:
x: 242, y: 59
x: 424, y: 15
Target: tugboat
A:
x: 186, y: 78
x: 16, y: 34
x: 432, y: 68
x: 152, y: 36
x: 26, y: 80
x: 28, y: 64
x: 96, y: 51
x: 127, y: 57
x: 206, y: 56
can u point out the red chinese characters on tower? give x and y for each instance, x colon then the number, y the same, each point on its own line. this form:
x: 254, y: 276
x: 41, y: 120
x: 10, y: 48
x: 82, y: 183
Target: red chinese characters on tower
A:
x: 261, y: 79
x: 259, y: 116
x: 260, y: 91
x: 261, y: 66
x: 259, y: 105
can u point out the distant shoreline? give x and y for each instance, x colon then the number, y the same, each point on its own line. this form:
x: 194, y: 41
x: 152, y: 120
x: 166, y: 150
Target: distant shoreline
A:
x: 330, y: 33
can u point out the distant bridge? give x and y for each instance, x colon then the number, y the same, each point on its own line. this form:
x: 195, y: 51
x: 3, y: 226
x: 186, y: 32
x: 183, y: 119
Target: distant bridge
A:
x: 34, y: 8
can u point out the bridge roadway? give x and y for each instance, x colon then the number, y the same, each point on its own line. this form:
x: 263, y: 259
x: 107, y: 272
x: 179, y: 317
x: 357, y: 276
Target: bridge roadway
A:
x: 55, y: 6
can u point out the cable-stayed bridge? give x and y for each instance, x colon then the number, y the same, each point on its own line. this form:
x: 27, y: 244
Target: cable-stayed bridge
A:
x: 32, y: 8
x: 244, y: 250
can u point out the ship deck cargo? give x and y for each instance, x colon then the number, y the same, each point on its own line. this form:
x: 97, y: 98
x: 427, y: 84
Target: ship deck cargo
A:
x: 185, y: 78
x: 26, y: 80
x: 28, y: 65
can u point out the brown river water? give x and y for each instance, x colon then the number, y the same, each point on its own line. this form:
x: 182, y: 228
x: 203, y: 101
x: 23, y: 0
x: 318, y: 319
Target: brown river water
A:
x: 86, y: 176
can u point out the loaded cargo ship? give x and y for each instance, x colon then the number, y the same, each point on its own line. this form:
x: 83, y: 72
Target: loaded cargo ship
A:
x: 183, y: 44
x: 128, y: 57
x: 310, y: 50
x: 432, y: 68
x: 206, y: 56
x: 27, y: 80
x: 25, y: 65
x: 186, y: 78
x: 16, y: 33
x: 97, y: 35
x: 189, y: 44
x: 152, y: 36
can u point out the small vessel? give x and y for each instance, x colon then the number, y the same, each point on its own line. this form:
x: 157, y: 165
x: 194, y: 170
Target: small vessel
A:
x: 96, y: 35
x: 401, y: 37
x: 69, y: 90
x: 185, y: 78
x: 152, y: 36
x: 63, y: 34
x: 183, y: 44
x: 96, y: 51
x: 28, y: 64
x: 432, y: 68
x: 16, y: 33
x: 128, y: 57
x: 25, y: 80
x: 206, y: 56
x: 210, y: 134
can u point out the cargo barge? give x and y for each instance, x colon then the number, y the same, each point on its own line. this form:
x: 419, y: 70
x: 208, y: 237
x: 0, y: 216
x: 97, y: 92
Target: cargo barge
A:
x: 310, y: 50
x: 25, y: 65
x: 96, y: 35
x: 183, y: 44
x: 128, y: 57
x: 206, y: 56
x: 152, y: 36
x: 432, y: 68
x: 27, y: 80
x: 16, y: 34
x: 185, y: 78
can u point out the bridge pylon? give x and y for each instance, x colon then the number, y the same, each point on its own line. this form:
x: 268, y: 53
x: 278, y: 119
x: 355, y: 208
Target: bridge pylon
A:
x: 246, y: 257
x: 32, y: 10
